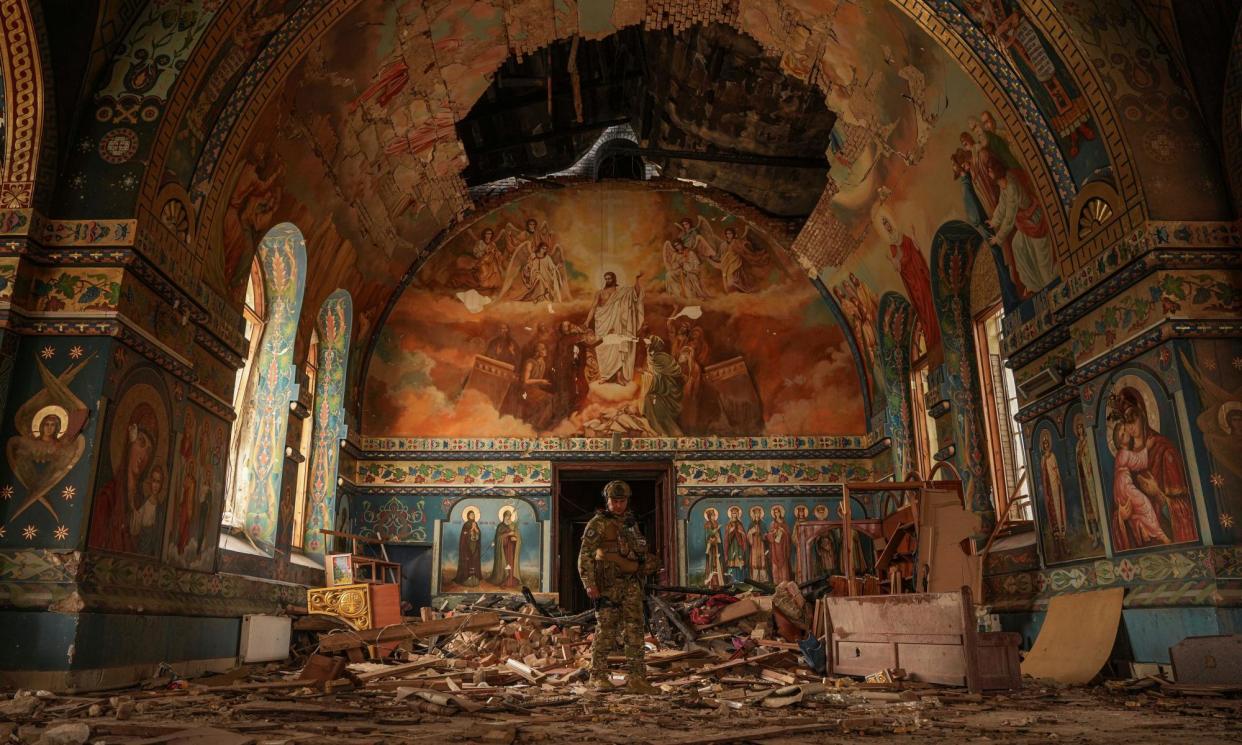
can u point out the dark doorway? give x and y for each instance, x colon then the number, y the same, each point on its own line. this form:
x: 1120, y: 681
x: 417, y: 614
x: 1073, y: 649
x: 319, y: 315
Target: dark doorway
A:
x: 415, y: 564
x: 579, y: 494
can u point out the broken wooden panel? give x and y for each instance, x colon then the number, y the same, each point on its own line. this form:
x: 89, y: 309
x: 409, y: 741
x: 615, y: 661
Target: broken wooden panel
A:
x: 932, y: 637
x: 1208, y: 660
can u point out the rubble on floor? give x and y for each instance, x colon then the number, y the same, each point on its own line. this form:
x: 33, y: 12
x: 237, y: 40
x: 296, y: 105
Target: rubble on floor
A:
x: 517, y: 675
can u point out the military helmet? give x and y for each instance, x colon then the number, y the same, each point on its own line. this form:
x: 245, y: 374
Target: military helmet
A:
x: 617, y: 489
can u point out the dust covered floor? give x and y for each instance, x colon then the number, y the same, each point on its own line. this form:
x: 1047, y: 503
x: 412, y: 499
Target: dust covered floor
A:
x: 278, y: 711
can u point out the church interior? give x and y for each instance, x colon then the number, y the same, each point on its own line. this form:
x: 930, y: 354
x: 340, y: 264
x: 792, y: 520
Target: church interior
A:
x: 913, y: 326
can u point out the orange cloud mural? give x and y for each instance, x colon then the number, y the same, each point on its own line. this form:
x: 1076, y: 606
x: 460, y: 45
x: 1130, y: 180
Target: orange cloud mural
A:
x: 602, y: 309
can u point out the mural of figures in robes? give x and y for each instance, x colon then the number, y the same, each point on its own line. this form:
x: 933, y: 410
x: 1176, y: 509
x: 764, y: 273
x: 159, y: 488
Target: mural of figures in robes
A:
x: 1053, y: 493
x: 757, y: 555
x: 129, y: 508
x: 663, y: 315
x: 1151, y: 502
x: 506, y: 550
x: 736, y: 548
x: 490, y: 544
x: 714, y: 567
x: 469, y: 550
x: 910, y: 263
x: 780, y: 546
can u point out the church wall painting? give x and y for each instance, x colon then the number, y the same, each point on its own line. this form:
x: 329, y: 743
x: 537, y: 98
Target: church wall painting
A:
x: 50, y: 430
x: 739, y: 537
x: 132, y: 486
x: 197, y: 496
x: 1018, y: 41
x: 1061, y: 467
x: 1214, y: 369
x: 1151, y: 502
x: 490, y: 544
x: 600, y: 310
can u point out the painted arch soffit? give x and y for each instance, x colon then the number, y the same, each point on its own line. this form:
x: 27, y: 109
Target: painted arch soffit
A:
x: 515, y: 31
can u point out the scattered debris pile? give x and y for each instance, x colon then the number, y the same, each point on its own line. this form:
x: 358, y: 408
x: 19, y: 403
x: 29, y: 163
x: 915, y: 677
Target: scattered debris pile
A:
x: 505, y: 672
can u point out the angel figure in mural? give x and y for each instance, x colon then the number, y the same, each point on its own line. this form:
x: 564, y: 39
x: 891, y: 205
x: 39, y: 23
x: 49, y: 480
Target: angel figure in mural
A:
x: 469, y: 550
x: 528, y: 237
x: 734, y: 255
x: 541, y: 271
x: 780, y: 547
x: 757, y: 556
x: 48, y: 443
x: 481, y: 267
x: 915, y: 275
x: 615, y: 318
x: 713, y: 568
x: 1220, y: 421
x: 693, y: 235
x: 1136, y: 522
x: 506, y: 550
x: 1054, y: 495
x: 736, y: 546
x: 684, y: 269
x: 1085, y: 466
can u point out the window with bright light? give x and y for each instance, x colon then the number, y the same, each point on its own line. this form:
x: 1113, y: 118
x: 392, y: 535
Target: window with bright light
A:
x: 925, y: 440
x: 253, y: 313
x: 299, y: 504
x: 1010, y: 480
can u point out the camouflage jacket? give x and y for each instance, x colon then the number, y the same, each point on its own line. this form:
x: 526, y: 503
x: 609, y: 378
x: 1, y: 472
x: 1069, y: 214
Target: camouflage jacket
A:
x: 609, y: 541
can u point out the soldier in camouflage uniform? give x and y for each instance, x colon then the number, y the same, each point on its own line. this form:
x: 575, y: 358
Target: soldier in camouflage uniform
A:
x: 611, y: 562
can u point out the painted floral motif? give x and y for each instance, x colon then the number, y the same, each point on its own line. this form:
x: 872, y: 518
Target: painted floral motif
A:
x: 402, y: 520
x: 466, y: 473
x: 77, y: 290
x: 1167, y: 295
x: 335, y: 322
x: 769, y: 472
x: 282, y: 255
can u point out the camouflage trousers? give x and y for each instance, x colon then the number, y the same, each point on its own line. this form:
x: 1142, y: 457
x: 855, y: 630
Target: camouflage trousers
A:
x: 620, y: 618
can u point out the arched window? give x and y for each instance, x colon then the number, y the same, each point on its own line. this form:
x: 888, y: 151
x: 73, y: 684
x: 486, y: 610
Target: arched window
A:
x: 252, y: 312
x: 1006, y: 448
x: 264, y: 420
x: 926, y: 443
x: 311, y: 370
x: 333, y: 325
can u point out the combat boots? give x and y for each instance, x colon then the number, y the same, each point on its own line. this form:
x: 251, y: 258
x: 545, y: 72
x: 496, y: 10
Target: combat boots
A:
x: 638, y: 684
x: 601, y: 683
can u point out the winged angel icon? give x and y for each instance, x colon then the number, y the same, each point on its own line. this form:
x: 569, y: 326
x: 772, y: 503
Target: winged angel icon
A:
x: 49, y: 442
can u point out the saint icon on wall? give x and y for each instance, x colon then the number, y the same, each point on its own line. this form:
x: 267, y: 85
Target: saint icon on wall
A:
x: 735, y: 544
x: 48, y: 443
x: 469, y: 550
x: 780, y: 546
x: 130, y: 503
x: 757, y: 558
x: 713, y: 571
x: 506, y: 550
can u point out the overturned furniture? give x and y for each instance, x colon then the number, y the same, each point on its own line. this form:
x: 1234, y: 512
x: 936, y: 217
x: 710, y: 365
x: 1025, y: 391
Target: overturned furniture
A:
x: 933, y: 637
x: 362, y: 591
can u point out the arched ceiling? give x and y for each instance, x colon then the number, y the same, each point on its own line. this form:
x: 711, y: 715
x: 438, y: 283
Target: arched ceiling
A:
x: 343, y: 116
